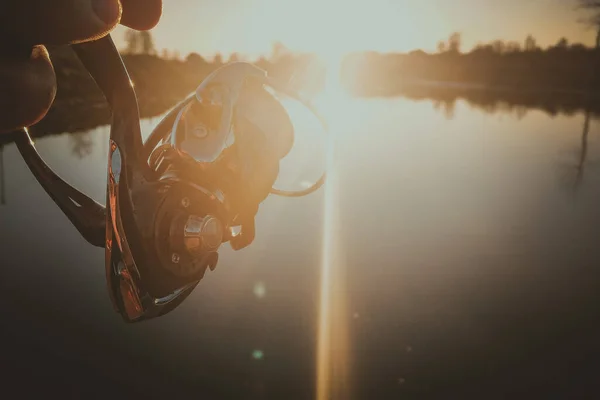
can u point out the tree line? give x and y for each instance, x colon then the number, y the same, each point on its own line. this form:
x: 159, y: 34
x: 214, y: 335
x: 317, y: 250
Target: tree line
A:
x: 454, y: 45
x: 591, y: 19
x: 143, y: 42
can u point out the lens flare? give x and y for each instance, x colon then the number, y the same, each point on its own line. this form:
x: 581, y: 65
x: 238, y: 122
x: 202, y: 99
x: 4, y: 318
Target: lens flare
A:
x: 258, y: 354
x: 259, y: 290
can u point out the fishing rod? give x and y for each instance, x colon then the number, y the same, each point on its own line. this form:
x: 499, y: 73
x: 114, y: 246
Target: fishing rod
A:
x: 174, y: 199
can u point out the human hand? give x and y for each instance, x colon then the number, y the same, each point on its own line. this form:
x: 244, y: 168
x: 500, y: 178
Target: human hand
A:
x: 27, y: 80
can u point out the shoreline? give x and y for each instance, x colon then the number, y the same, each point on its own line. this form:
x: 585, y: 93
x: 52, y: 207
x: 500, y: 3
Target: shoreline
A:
x: 553, y: 82
x: 61, y: 119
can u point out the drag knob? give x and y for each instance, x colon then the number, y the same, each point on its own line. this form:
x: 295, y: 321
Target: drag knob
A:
x: 202, y: 234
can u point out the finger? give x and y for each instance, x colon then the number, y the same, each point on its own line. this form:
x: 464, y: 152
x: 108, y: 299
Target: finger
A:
x: 58, y: 21
x: 141, y: 14
x: 27, y: 89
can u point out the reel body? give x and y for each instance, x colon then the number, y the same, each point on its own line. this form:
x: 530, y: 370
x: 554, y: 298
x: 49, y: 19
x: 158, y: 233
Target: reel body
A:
x: 175, y: 199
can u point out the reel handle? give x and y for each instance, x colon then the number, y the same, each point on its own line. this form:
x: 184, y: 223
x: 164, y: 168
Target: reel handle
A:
x: 105, y: 65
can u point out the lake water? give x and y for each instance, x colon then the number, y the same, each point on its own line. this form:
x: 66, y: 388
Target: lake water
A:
x: 464, y: 261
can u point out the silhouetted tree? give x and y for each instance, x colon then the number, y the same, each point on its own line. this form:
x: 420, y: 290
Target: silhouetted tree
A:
x: 279, y: 50
x: 132, y: 41
x: 577, y: 47
x: 455, y: 42
x: 147, y: 42
x: 233, y: 57
x: 195, y: 58
x: 530, y: 43
x: 562, y: 44
x: 521, y: 112
x: 483, y: 48
x: 513, y: 47
x: 592, y: 8
x: 499, y: 46
x: 218, y: 59
x: 441, y: 47
x: 263, y: 63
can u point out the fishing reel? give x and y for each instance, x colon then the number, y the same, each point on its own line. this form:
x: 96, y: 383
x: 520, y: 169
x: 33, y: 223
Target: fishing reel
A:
x: 194, y: 184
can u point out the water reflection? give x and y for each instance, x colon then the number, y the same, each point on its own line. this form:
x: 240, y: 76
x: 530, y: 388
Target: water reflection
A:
x: 584, y: 150
x: 2, y: 194
x: 458, y: 243
x: 81, y: 144
x: 494, y: 100
x: 79, y: 116
x: 573, y: 171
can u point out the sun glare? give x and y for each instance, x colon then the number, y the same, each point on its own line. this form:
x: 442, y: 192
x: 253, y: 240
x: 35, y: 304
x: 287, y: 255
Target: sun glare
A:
x: 320, y: 26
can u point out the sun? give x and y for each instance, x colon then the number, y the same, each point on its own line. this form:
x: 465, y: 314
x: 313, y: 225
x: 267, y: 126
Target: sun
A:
x: 327, y: 28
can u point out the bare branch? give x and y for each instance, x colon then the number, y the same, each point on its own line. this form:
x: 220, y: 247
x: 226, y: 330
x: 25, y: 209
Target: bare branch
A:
x: 592, y: 10
x: 589, y: 4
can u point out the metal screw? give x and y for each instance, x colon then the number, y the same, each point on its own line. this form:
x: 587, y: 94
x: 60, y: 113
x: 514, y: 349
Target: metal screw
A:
x: 185, y: 202
x: 200, y: 132
x: 175, y: 258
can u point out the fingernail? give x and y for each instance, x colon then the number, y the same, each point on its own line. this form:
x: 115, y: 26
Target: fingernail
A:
x: 107, y: 10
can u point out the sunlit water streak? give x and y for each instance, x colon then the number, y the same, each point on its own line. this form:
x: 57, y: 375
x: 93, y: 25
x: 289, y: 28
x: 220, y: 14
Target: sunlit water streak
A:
x: 332, y: 342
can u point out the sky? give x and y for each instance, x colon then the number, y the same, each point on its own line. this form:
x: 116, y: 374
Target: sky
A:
x: 337, y: 27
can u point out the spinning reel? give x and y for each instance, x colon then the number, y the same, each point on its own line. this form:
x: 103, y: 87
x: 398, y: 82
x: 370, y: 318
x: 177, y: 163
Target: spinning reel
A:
x: 174, y: 199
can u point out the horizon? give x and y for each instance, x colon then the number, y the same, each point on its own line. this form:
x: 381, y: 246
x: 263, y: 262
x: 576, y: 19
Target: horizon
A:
x: 384, y: 26
x: 268, y: 55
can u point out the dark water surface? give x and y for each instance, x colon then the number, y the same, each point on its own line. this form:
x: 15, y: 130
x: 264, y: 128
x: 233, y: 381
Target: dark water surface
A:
x: 471, y: 255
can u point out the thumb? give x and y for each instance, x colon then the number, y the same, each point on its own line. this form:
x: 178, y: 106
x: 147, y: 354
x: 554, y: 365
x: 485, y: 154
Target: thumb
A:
x: 53, y: 22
